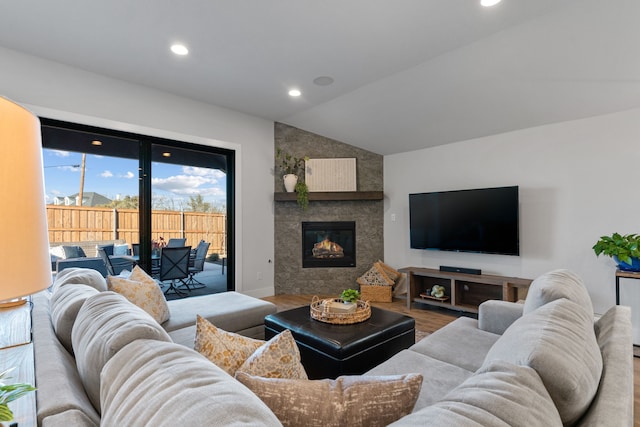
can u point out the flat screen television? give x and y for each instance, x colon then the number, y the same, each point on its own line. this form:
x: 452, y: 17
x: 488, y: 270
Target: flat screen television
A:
x: 480, y: 220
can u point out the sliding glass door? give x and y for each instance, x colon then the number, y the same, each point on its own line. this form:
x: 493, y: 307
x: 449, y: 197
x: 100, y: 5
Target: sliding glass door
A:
x: 139, y: 191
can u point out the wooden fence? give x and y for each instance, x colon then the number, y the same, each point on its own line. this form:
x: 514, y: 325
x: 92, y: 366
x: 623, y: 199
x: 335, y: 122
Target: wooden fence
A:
x: 80, y: 223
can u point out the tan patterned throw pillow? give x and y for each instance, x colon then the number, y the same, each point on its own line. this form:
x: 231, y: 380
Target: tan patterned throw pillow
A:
x: 375, y: 276
x: 354, y: 401
x: 144, y: 293
x: 226, y: 349
x: 277, y: 358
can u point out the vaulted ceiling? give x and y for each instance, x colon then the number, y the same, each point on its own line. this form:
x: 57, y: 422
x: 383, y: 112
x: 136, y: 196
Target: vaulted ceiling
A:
x: 406, y: 74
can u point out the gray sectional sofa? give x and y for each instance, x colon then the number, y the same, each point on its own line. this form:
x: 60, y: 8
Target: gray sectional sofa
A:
x: 545, y: 362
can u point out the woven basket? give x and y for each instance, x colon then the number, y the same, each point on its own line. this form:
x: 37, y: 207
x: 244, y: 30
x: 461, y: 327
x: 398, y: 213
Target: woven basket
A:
x: 376, y: 293
x: 319, y: 311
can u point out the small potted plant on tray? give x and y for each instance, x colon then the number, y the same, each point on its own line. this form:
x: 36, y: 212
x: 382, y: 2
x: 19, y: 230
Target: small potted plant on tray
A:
x: 350, y: 296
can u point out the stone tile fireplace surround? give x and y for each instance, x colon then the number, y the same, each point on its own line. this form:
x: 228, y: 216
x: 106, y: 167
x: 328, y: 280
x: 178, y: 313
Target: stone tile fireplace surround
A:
x: 290, y: 276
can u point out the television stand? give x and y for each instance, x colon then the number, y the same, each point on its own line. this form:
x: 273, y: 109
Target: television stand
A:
x: 463, y: 292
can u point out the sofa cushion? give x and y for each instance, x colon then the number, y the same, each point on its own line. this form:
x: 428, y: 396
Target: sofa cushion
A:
x: 73, y: 252
x: 72, y: 417
x: 59, y: 388
x: 559, y: 342
x: 153, y: 383
x: 143, y: 291
x: 439, y: 377
x: 226, y: 349
x: 65, y: 304
x: 223, y: 310
x: 121, y: 250
x: 460, y: 343
x: 277, y: 358
x: 498, y: 395
x: 355, y: 401
x: 80, y: 276
x: 106, y: 323
x: 614, y: 400
x: 555, y: 285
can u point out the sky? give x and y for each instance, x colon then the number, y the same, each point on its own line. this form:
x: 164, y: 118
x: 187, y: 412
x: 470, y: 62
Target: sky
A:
x: 115, y: 177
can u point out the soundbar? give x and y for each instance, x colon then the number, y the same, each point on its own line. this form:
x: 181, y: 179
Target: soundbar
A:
x: 450, y: 269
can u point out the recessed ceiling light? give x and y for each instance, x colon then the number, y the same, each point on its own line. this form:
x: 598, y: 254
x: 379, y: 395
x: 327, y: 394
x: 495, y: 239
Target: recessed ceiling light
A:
x: 179, y: 49
x: 489, y: 3
x: 323, y: 80
x: 166, y: 154
x: 96, y: 142
x: 295, y: 93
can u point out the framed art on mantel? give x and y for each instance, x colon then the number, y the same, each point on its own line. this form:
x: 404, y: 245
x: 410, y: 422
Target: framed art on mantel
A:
x: 331, y: 174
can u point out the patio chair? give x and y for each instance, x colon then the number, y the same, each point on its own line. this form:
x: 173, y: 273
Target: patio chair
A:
x: 174, y: 266
x: 196, y: 265
x: 176, y: 243
x: 115, y: 264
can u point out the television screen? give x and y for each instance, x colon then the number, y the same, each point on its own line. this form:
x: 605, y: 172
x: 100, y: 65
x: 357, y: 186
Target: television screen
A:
x: 480, y: 220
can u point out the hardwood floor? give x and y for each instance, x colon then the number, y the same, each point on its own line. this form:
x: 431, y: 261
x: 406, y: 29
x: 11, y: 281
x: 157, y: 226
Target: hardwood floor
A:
x: 429, y: 321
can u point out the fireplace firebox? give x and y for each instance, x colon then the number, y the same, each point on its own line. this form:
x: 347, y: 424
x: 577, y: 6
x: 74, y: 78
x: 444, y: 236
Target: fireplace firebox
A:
x: 328, y: 244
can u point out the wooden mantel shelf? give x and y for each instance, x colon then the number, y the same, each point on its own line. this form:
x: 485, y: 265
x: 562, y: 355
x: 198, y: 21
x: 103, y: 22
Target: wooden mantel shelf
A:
x: 331, y: 196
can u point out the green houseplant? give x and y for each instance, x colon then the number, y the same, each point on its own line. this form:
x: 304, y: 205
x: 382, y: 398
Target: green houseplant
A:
x: 350, y: 295
x: 624, y: 249
x: 292, y: 169
x: 9, y: 393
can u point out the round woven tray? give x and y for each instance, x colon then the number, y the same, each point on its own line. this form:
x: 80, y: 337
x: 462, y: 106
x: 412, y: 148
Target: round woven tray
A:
x: 319, y: 311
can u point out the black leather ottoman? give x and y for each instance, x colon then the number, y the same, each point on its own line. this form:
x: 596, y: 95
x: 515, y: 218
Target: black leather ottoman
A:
x: 328, y: 350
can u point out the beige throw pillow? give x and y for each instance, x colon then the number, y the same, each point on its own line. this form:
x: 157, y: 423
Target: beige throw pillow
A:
x: 354, y: 401
x: 225, y: 349
x: 142, y: 291
x: 277, y: 358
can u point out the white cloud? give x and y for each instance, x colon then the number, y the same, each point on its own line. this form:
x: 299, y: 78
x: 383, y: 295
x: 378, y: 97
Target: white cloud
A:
x: 60, y: 153
x: 106, y: 174
x: 212, y: 174
x: 127, y: 175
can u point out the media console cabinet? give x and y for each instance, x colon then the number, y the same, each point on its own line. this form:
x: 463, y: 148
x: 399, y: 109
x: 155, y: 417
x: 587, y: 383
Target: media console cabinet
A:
x: 463, y: 292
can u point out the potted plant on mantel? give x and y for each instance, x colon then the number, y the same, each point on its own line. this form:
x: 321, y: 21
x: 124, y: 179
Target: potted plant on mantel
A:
x: 291, y: 167
x: 624, y: 249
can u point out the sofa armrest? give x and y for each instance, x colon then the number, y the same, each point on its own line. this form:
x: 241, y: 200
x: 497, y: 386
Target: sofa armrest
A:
x: 496, y: 316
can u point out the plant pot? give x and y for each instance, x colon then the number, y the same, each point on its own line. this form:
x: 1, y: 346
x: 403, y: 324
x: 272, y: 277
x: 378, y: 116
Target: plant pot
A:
x: 290, y: 181
x: 634, y: 266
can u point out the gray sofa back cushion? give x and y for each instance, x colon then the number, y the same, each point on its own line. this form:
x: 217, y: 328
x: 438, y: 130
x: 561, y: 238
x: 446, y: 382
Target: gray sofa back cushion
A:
x: 614, y: 400
x: 105, y: 324
x: 559, y: 342
x: 80, y: 276
x: 65, y: 305
x: 500, y: 394
x: 153, y: 383
x: 554, y: 285
x: 59, y: 386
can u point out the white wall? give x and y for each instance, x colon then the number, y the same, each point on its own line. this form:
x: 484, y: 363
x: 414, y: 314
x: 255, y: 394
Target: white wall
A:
x: 578, y: 181
x: 56, y: 91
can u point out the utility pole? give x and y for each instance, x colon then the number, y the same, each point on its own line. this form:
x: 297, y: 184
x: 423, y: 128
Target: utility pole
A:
x: 81, y: 193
